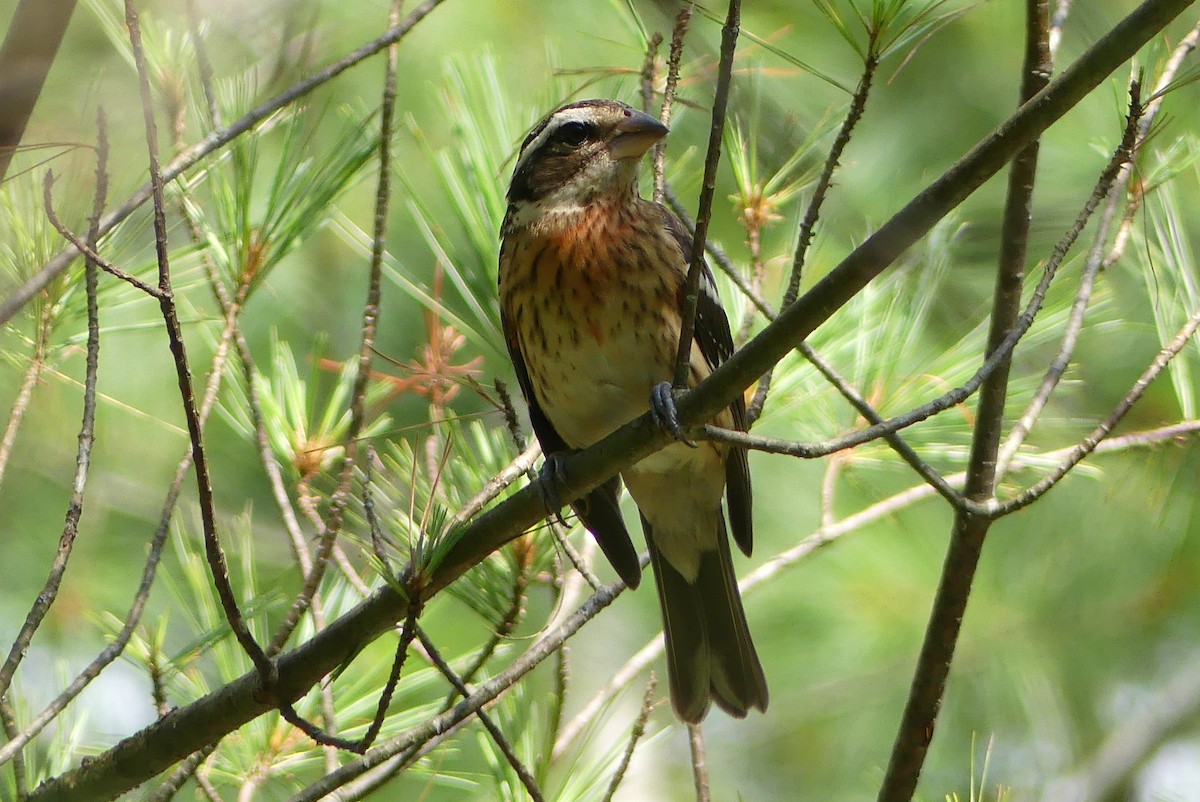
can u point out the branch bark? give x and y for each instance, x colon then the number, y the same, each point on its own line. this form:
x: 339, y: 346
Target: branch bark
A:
x: 917, y: 723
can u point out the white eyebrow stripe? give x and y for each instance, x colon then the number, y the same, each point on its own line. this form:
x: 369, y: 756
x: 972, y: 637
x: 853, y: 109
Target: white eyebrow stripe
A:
x: 557, y: 120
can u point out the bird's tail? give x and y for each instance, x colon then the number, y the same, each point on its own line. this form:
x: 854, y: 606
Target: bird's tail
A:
x: 710, y: 656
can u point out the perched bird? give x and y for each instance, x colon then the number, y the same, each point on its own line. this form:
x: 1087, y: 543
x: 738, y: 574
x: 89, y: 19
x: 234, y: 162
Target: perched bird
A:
x: 591, y: 291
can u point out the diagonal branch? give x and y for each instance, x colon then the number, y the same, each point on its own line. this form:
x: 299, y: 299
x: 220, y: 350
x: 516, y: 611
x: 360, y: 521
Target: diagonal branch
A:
x: 691, y: 296
x: 1089, y: 444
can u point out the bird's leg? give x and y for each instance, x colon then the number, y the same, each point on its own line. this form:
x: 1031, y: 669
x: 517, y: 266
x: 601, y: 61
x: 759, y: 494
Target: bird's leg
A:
x: 662, y: 408
x: 551, y: 478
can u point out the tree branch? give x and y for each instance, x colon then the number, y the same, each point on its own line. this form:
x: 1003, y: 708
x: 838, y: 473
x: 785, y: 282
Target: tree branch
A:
x: 691, y: 296
x: 915, y: 732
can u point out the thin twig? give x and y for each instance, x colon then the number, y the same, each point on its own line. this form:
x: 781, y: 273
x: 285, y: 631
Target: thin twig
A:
x: 202, y: 61
x: 407, y: 633
x: 1090, y: 443
x: 373, y: 780
x: 33, y: 372
x: 216, y: 555
x: 674, y: 57
x: 512, y: 616
x: 719, y: 256
x: 546, y: 645
x: 959, y: 394
x: 83, y: 454
x: 183, y: 772
x: 829, y: 372
x: 1096, y: 260
x: 823, y: 536
x: 8, y: 718
x: 498, y: 737
x: 648, y: 76
x: 635, y: 735
x: 520, y: 466
x: 915, y: 731
x: 858, y: 104
x: 370, y: 322
x: 691, y: 292
x: 558, y: 532
x: 133, y: 616
x: 90, y: 252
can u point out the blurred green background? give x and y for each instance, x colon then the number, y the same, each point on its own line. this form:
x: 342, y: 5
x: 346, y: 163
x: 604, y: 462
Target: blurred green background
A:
x: 1087, y: 604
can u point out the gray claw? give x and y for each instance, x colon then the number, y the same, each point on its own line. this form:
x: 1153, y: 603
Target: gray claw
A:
x: 662, y: 409
x: 550, y: 479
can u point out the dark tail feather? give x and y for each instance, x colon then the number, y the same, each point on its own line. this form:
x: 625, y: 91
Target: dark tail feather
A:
x: 601, y: 514
x: 709, y: 652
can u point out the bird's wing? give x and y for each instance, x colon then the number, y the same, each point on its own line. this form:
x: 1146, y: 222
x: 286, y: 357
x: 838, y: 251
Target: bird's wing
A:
x: 599, y: 509
x: 715, y: 341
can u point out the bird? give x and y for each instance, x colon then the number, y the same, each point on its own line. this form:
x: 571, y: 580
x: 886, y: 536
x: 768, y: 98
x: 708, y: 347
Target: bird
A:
x: 591, y: 285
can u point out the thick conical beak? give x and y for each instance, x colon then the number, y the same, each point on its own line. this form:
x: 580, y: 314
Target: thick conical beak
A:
x: 636, y: 134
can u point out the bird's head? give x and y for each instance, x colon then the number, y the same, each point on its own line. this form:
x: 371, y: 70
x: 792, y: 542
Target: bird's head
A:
x: 580, y: 154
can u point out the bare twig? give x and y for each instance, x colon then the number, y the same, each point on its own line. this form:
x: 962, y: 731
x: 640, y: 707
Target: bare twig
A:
x: 915, y: 731
x: 550, y: 642
x: 33, y: 372
x: 89, y: 252
x: 202, y: 61
x: 512, y: 616
x: 720, y: 257
x: 635, y: 735
x: 1096, y: 259
x: 407, y: 633
x: 858, y: 103
x: 675, y: 55
x: 1089, y: 443
x: 648, y: 74
x: 829, y: 372
x: 520, y: 466
x: 149, y: 571
x: 215, y: 554
x: 691, y: 294
x: 370, y: 781
x: 8, y: 719
x: 573, y: 556
x: 498, y: 737
x: 83, y: 454
x: 370, y: 322
x: 183, y: 772
x: 764, y: 573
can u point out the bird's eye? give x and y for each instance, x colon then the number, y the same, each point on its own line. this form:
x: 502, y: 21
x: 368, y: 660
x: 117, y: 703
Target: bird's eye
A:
x: 573, y: 134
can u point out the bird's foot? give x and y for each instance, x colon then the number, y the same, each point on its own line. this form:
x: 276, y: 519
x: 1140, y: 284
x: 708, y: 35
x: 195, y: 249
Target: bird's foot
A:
x: 662, y: 409
x: 550, y: 479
